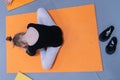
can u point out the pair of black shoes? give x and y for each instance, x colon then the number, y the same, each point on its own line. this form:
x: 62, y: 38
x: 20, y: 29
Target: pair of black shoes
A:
x: 105, y: 35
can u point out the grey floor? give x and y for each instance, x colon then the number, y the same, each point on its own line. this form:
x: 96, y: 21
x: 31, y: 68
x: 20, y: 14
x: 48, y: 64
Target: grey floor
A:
x: 107, y: 13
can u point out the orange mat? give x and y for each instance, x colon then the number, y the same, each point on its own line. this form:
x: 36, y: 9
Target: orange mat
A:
x: 80, y: 51
x: 18, y: 3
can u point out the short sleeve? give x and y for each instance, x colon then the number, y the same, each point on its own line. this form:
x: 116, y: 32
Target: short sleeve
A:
x: 30, y: 24
x: 30, y: 51
x: 33, y: 25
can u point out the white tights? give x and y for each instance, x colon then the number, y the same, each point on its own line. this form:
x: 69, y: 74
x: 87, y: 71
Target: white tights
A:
x: 47, y: 56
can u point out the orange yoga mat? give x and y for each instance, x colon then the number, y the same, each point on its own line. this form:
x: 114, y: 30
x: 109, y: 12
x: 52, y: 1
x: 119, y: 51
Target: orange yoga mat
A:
x: 18, y: 3
x: 80, y: 51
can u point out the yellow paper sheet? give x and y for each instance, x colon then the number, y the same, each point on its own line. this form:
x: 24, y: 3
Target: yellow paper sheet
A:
x: 21, y: 76
x: 18, y: 3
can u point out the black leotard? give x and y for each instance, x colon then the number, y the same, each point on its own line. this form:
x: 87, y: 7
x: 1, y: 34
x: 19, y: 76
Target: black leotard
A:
x: 49, y: 36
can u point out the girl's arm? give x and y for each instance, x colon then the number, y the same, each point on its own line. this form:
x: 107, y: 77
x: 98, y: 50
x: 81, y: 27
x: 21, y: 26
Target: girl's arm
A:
x: 24, y: 49
x: 32, y: 53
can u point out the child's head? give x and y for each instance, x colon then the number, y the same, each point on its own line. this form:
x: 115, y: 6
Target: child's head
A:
x: 17, y: 40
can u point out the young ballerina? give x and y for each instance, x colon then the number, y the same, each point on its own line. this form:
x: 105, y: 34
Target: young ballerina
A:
x: 45, y: 35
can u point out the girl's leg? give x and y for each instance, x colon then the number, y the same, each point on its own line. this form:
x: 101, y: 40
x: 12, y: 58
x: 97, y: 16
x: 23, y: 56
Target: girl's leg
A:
x: 44, y: 18
x: 42, y: 53
x: 48, y: 56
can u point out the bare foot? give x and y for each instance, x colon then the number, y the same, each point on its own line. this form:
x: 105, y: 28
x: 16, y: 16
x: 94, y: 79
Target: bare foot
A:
x: 9, y: 2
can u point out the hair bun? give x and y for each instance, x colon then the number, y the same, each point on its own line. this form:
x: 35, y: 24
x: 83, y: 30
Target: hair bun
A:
x: 9, y: 38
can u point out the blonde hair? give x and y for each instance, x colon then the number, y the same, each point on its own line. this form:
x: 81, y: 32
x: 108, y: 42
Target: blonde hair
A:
x: 16, y: 39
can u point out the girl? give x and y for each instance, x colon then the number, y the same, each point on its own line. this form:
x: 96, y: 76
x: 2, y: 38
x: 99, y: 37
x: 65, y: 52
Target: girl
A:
x: 46, y: 36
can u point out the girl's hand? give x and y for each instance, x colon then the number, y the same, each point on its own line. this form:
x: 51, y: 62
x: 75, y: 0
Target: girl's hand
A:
x: 25, y: 49
x: 8, y: 2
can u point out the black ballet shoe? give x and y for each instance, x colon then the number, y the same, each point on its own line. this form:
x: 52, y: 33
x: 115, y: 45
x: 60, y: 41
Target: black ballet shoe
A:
x: 111, y: 46
x: 105, y: 35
